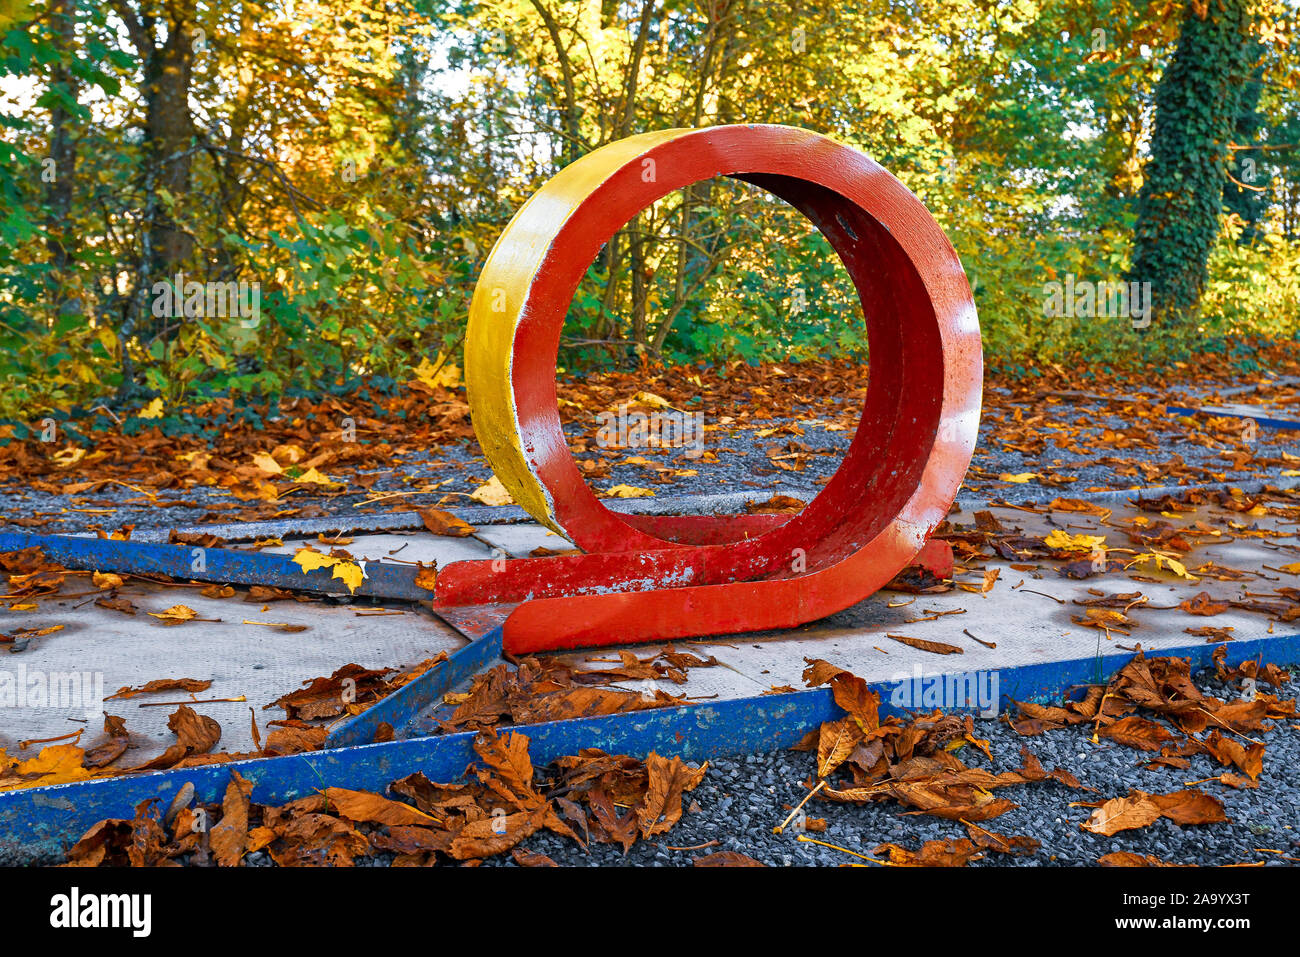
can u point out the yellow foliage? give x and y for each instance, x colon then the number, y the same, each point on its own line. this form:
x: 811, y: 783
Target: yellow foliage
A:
x: 350, y: 573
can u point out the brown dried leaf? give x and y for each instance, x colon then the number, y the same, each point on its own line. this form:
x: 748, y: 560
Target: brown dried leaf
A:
x: 444, y: 523
x: 1248, y: 760
x: 110, y: 749
x: 836, y: 741
x: 1018, y: 845
x: 366, y: 807
x: 955, y: 853
x: 531, y: 858
x: 726, y: 859
x: 1122, y: 814
x: 1202, y: 604
x: 1131, y: 859
x: 508, y: 757
x: 934, y: 647
x: 295, y: 739
x: 229, y: 837
x: 1137, y: 732
x: 162, y: 684
x: 492, y: 835
x: 1190, y: 806
x: 669, y: 778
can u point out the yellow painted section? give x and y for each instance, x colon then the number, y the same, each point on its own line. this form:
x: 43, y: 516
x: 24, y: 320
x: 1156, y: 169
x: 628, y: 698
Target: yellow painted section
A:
x: 498, y: 302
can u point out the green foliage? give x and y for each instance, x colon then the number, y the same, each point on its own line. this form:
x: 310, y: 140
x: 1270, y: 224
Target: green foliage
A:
x: 356, y: 159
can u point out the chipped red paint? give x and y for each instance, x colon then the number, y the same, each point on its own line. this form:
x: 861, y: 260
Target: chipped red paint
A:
x: 653, y: 578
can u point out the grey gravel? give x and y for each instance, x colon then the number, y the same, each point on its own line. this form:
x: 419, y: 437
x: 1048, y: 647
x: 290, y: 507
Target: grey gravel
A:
x: 742, y: 798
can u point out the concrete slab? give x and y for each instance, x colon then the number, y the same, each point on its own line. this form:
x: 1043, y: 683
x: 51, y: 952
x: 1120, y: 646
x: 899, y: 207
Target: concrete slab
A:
x: 111, y: 650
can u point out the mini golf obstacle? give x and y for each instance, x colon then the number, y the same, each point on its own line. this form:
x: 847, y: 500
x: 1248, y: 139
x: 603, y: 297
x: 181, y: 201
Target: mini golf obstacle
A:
x: 651, y: 569
x: 655, y: 577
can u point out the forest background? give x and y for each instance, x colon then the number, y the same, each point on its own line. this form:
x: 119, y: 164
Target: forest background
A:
x: 347, y: 165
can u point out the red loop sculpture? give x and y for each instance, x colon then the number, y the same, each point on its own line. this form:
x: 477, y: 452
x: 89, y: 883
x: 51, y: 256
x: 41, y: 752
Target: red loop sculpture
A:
x: 659, y: 577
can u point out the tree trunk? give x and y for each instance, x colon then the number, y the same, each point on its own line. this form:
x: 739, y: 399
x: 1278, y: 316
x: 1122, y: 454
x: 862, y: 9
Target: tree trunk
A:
x: 1180, y: 200
x: 169, y: 132
x: 58, y: 194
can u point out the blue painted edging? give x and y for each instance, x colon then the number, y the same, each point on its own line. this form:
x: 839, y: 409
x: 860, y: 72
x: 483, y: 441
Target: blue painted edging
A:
x: 1055, y: 679
x: 1264, y: 422
x: 221, y: 565
x: 41, y: 823
x: 401, y: 707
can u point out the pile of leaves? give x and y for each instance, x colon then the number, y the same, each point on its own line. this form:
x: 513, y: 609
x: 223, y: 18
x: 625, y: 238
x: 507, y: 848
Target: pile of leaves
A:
x: 350, y: 690
x: 264, y: 454
x: 863, y: 758
x: 549, y: 689
x: 1193, y: 722
x: 591, y: 796
x: 533, y: 690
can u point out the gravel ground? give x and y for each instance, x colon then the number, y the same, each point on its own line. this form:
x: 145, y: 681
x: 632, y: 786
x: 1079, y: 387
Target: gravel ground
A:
x: 742, y: 799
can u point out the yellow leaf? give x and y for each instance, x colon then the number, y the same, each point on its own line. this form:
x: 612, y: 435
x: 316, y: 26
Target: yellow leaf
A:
x: 290, y: 453
x: 1079, y: 505
x: 174, y: 615
x: 1292, y: 569
x: 308, y: 559
x: 106, y: 580
x: 1159, y: 562
x: 264, y: 491
x: 1064, y: 541
x: 66, y: 458
x: 266, y: 463
x: 314, y: 477
x: 1019, y: 479
x: 440, y: 373
x: 1291, y: 473
x: 650, y: 399
x: 629, y: 491
x: 426, y: 577
x: 153, y: 410
x: 57, y: 764
x: 350, y: 573
x: 493, y: 493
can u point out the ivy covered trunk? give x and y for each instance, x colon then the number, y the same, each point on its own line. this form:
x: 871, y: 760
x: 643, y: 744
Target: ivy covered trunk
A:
x: 1179, y: 205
